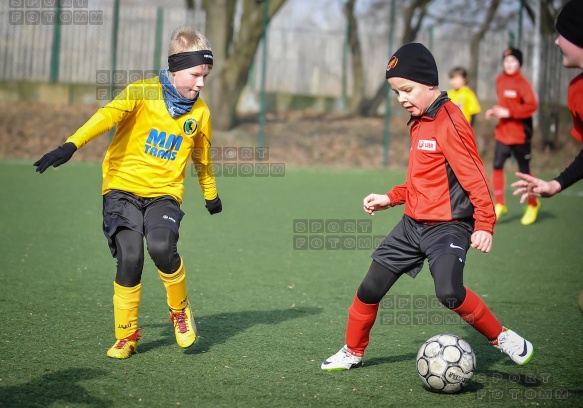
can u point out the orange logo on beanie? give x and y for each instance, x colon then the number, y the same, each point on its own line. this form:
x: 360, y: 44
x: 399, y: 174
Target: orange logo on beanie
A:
x: 508, y: 52
x: 392, y: 63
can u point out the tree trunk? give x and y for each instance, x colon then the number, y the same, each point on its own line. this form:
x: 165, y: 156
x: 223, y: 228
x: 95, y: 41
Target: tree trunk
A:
x: 233, y: 58
x: 357, y: 98
x: 475, y: 44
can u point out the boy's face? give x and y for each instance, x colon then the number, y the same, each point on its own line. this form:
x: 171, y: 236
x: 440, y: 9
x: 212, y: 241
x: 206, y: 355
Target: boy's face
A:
x: 510, y: 65
x: 572, y: 54
x: 457, y: 81
x: 188, y: 82
x: 412, y: 96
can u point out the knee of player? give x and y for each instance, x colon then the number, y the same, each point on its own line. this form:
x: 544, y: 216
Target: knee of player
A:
x: 447, y: 273
x: 130, y: 259
x: 161, y: 243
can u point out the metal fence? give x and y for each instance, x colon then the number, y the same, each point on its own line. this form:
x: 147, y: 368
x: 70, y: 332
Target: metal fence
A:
x: 303, y: 59
x: 33, y: 47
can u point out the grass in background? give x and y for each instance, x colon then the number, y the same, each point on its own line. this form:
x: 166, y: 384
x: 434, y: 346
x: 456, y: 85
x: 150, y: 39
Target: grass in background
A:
x: 267, y: 314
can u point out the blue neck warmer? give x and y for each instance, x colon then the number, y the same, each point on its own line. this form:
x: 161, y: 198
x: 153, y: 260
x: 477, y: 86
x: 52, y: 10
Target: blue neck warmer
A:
x: 176, y: 104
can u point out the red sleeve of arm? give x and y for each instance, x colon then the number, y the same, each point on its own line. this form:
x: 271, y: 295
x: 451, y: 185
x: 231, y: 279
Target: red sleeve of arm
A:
x: 398, y: 194
x: 461, y: 152
x: 529, y: 103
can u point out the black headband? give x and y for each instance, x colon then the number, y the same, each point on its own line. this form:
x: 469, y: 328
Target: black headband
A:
x: 185, y: 60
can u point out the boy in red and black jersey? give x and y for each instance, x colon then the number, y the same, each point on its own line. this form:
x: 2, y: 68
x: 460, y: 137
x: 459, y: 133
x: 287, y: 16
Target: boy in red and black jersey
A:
x: 448, y: 208
x: 516, y: 105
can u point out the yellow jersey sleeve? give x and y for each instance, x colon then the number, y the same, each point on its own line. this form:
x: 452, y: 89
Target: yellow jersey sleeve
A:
x: 466, y: 100
x: 201, y: 157
x: 472, y: 105
x: 106, y: 118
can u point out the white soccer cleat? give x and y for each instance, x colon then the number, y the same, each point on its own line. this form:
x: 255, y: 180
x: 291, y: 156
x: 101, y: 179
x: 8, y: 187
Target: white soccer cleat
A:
x: 343, y: 360
x: 518, y: 349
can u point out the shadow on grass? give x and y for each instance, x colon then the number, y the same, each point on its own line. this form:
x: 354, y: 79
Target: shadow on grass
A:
x: 218, y: 328
x: 390, y: 359
x: 517, y: 216
x: 59, y: 386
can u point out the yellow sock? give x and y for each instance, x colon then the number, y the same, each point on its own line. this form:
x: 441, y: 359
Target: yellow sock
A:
x: 126, y: 302
x: 175, y: 284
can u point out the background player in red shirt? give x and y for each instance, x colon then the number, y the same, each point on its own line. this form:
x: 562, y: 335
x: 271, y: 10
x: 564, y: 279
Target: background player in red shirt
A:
x: 516, y: 105
x: 448, y: 208
x: 570, y: 41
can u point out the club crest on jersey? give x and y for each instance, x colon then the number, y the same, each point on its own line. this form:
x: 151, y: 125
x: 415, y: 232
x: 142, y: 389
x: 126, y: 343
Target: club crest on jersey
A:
x: 190, y: 127
x: 428, y: 145
x: 510, y: 93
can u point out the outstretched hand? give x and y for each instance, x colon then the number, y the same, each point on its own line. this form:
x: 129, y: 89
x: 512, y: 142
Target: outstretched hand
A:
x: 498, y: 112
x: 482, y: 241
x: 376, y: 202
x: 530, y: 186
x: 55, y: 158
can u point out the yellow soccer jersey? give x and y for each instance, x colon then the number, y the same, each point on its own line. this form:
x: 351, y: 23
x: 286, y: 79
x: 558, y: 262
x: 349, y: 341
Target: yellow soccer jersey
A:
x: 466, y: 100
x: 150, y: 151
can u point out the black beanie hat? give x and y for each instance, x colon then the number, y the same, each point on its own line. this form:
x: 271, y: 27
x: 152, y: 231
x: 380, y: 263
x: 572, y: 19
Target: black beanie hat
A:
x: 515, y: 52
x: 569, y: 22
x: 413, y: 61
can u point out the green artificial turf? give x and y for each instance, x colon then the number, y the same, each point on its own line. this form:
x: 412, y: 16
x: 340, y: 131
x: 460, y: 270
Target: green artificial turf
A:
x: 268, y: 314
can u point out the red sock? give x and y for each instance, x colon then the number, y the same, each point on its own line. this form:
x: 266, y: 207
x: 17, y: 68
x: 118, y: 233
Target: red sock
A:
x: 475, y: 312
x: 532, y: 200
x: 498, y: 182
x: 361, y: 318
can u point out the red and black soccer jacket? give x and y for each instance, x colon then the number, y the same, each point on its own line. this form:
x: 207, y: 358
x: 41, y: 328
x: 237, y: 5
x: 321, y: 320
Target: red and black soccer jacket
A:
x: 574, y: 172
x: 446, y: 178
x: 575, y: 101
x: 515, y: 94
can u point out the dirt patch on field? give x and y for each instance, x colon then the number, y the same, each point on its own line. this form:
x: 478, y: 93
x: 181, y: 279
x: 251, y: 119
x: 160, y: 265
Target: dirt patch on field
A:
x: 298, y: 139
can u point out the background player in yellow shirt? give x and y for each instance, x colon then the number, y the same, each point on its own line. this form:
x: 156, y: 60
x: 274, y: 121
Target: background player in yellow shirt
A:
x: 162, y: 125
x: 462, y: 95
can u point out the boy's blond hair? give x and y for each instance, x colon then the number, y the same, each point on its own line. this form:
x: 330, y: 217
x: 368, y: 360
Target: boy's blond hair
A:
x: 186, y: 39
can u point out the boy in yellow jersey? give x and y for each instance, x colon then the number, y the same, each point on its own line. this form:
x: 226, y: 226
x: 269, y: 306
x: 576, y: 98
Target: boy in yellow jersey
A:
x: 162, y: 125
x: 462, y: 95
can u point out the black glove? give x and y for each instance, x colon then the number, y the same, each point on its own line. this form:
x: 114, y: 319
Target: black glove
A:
x: 214, y: 206
x: 55, y: 158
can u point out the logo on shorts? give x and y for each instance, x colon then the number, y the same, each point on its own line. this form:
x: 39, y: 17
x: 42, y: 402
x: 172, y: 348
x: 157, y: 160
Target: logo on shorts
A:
x: 166, y: 217
x: 429, y: 145
x: 190, y: 127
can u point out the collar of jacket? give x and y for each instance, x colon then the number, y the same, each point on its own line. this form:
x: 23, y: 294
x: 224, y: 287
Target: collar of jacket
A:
x: 431, y: 112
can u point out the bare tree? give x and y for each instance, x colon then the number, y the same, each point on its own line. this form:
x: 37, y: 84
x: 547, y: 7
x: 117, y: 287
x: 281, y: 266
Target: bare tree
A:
x: 234, y: 53
x: 477, y: 39
x: 549, y: 11
x: 357, y: 97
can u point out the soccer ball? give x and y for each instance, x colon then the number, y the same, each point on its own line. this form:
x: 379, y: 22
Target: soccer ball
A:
x: 446, y: 363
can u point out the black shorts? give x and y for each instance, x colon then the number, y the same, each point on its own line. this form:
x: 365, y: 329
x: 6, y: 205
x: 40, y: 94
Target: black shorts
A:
x: 126, y: 210
x: 408, y: 245
x: 521, y: 152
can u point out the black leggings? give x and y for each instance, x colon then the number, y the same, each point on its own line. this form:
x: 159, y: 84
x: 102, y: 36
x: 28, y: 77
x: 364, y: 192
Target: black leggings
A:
x: 447, y: 272
x: 161, y: 244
